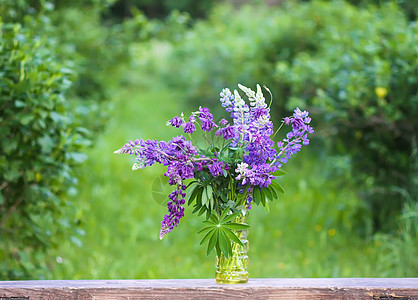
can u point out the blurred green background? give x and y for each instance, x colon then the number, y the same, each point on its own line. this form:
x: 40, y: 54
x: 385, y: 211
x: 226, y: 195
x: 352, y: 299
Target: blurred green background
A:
x: 80, y: 78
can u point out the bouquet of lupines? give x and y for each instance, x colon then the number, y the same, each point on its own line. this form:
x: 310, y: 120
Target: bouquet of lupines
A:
x: 234, y: 169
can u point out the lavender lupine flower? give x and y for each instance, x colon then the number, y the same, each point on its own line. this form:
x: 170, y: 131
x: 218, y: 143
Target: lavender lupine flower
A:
x: 215, y: 168
x: 207, y: 119
x: 243, y: 172
x: 148, y: 152
x: 295, y: 138
x: 223, y: 122
x: 249, y: 200
x: 258, y: 175
x: 189, y: 127
x: 227, y: 99
x: 175, y: 122
x: 250, y: 197
x: 227, y: 132
x: 128, y: 148
x: 175, y: 210
x: 240, y: 113
x: 178, y: 171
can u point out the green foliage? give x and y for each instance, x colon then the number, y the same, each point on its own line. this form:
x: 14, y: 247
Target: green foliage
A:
x: 162, y: 8
x: 215, y: 53
x: 220, y: 232
x: 355, y: 68
x: 58, y: 69
x: 39, y: 143
x: 410, y: 7
x: 363, y: 79
x: 399, y: 250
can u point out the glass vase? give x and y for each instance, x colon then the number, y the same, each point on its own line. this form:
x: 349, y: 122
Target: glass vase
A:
x: 234, y: 269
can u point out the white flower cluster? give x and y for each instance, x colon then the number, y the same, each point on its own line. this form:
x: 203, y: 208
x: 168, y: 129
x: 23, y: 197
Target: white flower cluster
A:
x: 256, y: 99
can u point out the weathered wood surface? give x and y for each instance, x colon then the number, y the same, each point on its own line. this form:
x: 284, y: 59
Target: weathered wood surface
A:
x: 268, y: 288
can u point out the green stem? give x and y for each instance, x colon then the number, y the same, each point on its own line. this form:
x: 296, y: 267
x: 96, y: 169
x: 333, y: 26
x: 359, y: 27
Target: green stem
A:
x: 281, y: 125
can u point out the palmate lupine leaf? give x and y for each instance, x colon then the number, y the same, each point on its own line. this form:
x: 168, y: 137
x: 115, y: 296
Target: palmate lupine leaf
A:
x: 219, y: 232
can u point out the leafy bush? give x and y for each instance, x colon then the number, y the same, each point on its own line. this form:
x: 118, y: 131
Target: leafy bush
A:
x: 162, y: 8
x: 410, y: 8
x: 363, y: 77
x: 58, y: 70
x: 354, y: 66
x: 39, y: 143
x: 214, y: 54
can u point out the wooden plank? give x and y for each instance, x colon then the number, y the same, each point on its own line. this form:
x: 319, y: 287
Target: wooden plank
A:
x: 260, y: 288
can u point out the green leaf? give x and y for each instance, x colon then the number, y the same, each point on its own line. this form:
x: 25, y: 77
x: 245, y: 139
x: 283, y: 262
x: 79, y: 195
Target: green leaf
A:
x: 209, y: 195
x: 267, y: 207
x: 236, y: 226
x: 230, y: 217
x: 202, y: 210
x: 212, y: 203
x: 19, y: 103
x: 76, y: 156
x: 273, y: 192
x: 256, y: 195
x: 232, y: 236
x: 224, y: 214
x: 214, y: 218
x: 25, y: 119
x: 197, y: 208
x: 12, y: 175
x: 210, y: 222
x: 263, y: 197
x: 189, y: 191
x: 204, y: 197
x: 191, y: 183
x: 224, y: 244
x: 205, y: 229
x: 268, y: 193
x: 279, y: 173
x: 193, y: 196
x: 199, y: 198
x: 207, y: 236
x: 218, y: 249
x: 212, y: 241
x: 277, y: 187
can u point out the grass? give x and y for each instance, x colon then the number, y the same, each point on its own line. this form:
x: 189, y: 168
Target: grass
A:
x: 310, y: 232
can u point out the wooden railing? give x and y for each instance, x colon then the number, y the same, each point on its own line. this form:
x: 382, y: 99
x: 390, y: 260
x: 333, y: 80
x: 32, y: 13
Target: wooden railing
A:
x: 268, y: 288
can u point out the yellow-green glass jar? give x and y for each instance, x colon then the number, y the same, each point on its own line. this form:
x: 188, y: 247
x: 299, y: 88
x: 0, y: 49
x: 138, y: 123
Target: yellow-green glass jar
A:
x: 234, y: 269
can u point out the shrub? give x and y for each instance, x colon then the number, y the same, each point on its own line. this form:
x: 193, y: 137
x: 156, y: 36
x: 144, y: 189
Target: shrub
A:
x: 363, y: 77
x: 58, y: 69
x: 214, y: 54
x: 162, y: 8
x: 40, y: 142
